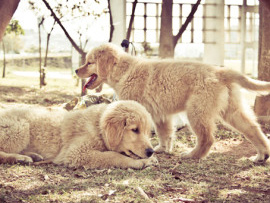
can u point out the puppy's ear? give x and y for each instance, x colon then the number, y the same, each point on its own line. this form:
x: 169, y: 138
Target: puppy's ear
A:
x: 106, y: 59
x: 113, y: 130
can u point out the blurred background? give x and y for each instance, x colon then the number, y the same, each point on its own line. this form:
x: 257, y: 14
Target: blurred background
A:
x: 47, y: 40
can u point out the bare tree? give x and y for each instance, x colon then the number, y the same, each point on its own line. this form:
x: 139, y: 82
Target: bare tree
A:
x: 59, y: 22
x: 80, y: 6
x: 167, y: 40
x: 43, y: 17
x: 39, y: 11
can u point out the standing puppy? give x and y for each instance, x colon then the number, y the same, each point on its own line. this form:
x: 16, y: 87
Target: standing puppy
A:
x: 167, y: 87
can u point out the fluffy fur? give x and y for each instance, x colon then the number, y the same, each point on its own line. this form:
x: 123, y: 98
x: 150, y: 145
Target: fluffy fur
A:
x: 102, y: 136
x: 166, y: 87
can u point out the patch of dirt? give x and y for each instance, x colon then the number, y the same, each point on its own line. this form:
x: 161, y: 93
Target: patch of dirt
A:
x: 12, y: 95
x: 234, y: 147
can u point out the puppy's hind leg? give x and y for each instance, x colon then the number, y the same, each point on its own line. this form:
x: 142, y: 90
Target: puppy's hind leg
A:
x: 165, y: 132
x: 14, y: 138
x: 243, y: 120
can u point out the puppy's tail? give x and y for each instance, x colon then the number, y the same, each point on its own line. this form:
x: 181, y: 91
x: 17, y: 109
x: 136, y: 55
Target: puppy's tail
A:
x: 230, y: 76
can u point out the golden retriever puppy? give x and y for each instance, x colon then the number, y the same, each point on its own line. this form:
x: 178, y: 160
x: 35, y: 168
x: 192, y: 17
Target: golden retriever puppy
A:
x: 166, y: 87
x: 102, y: 136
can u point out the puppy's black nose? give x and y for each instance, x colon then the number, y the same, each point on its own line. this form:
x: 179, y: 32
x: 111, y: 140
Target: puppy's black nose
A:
x: 149, y: 152
x: 76, y: 71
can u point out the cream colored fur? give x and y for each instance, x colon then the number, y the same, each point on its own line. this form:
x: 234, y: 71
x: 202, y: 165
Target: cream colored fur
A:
x: 166, y: 87
x: 91, y: 138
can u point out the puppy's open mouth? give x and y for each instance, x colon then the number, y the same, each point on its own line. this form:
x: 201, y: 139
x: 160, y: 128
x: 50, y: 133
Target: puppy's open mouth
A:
x: 90, y: 81
x: 131, y: 155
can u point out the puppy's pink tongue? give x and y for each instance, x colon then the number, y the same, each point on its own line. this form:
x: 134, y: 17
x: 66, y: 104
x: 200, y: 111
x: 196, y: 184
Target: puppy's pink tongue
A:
x: 84, y: 88
x: 89, y: 82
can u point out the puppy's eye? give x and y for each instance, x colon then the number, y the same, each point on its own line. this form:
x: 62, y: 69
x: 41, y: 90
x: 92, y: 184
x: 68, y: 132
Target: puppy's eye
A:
x: 135, y: 130
x: 89, y: 63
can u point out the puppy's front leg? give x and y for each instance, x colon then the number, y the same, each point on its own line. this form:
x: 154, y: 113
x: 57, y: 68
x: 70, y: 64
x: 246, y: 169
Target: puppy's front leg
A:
x: 108, y: 159
x: 12, y: 158
x: 165, y: 132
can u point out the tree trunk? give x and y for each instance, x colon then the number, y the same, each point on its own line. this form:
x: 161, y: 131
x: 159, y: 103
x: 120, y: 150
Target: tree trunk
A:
x: 262, y: 104
x: 41, y: 72
x: 4, y: 59
x: 266, y: 3
x: 167, y: 40
x: 7, y: 8
x: 166, y: 48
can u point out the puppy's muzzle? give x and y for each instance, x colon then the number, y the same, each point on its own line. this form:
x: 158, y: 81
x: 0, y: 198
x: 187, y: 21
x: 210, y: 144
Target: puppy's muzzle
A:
x: 149, y: 152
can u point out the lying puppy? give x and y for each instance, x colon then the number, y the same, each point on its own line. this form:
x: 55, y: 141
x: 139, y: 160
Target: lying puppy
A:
x: 166, y: 87
x: 102, y: 136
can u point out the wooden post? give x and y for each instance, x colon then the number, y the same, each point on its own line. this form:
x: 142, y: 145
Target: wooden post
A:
x: 243, y: 36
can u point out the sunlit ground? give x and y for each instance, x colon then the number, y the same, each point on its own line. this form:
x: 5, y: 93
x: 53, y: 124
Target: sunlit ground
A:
x: 226, y: 175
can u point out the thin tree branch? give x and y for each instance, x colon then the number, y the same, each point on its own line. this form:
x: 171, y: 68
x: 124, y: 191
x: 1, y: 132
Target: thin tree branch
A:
x: 111, y: 21
x: 86, y: 41
x: 131, y: 19
x: 39, y: 49
x: 188, y: 20
x: 52, y: 26
x: 63, y: 28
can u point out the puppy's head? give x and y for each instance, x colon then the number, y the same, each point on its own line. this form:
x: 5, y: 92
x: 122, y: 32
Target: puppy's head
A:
x: 99, y: 62
x: 126, y: 127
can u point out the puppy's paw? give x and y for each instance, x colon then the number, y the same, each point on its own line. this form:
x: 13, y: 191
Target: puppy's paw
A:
x: 189, y: 155
x: 260, y: 158
x: 162, y: 149
x: 35, y: 157
x: 159, y: 149
x: 22, y: 159
x: 152, y: 161
x: 143, y: 163
x: 185, y: 155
